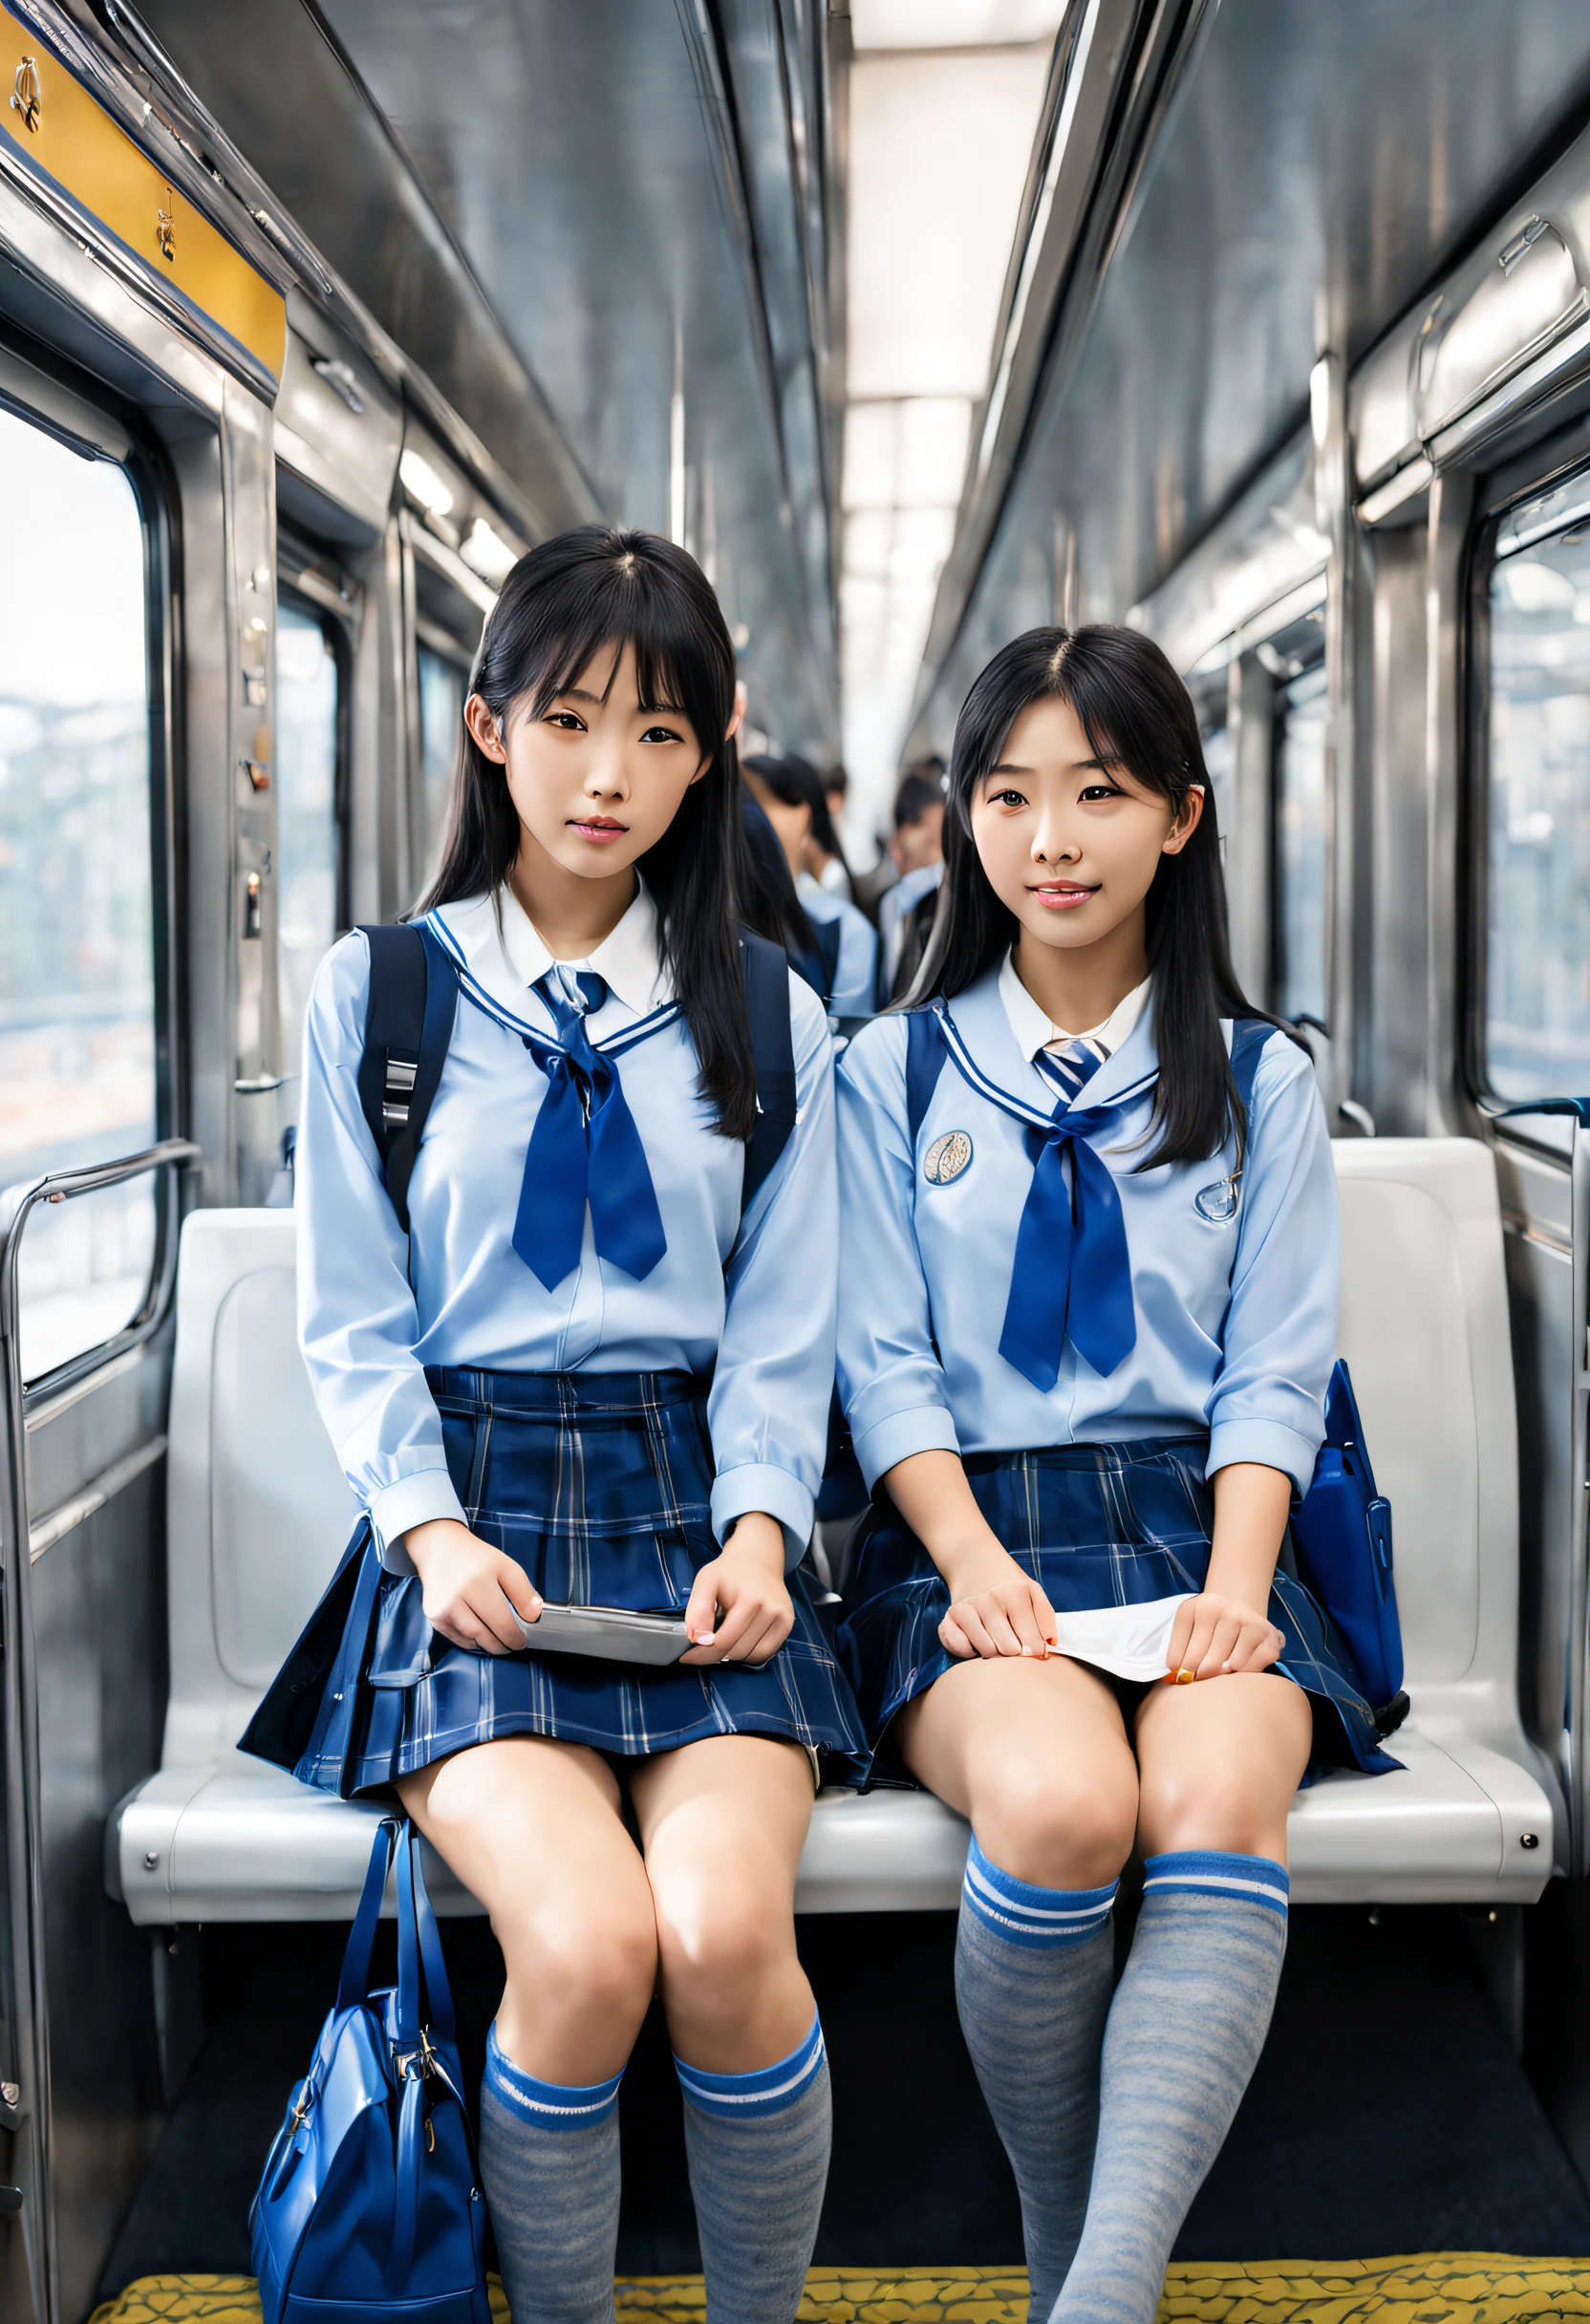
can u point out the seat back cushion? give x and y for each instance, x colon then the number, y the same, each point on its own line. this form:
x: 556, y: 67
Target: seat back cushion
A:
x: 1425, y: 1333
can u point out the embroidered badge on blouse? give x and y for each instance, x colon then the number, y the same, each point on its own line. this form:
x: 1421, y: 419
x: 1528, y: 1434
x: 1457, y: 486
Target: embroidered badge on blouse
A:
x: 946, y: 1157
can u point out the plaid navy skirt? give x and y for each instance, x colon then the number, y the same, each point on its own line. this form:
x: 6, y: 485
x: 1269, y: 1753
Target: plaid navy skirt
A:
x: 599, y: 1484
x: 1097, y: 1525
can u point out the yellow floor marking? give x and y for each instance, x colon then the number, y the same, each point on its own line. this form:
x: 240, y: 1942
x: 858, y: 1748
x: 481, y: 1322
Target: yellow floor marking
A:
x: 1424, y: 2288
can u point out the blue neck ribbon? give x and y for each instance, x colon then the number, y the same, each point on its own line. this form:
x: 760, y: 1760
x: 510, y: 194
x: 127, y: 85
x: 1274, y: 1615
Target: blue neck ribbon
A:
x: 584, y: 1150
x: 1072, y: 1275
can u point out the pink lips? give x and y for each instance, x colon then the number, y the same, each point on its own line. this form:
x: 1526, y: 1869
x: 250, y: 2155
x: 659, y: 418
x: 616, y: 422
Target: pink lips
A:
x: 1061, y: 899
x: 601, y: 834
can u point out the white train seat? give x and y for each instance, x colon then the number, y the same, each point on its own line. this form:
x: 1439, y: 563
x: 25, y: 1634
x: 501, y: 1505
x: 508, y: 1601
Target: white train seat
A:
x: 258, y: 1512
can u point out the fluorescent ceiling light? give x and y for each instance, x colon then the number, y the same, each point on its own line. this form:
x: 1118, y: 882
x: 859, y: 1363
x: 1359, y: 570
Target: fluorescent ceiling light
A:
x: 486, y: 554
x: 421, y: 480
x: 952, y: 24
x: 939, y: 148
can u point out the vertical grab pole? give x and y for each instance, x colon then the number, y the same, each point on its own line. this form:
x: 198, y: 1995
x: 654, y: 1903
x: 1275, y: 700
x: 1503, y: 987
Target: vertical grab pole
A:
x: 1577, y: 1677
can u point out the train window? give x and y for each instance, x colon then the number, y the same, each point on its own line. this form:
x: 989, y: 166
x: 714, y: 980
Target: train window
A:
x: 78, y: 1014
x: 444, y: 688
x: 1300, y: 847
x: 308, y: 824
x: 1537, y: 966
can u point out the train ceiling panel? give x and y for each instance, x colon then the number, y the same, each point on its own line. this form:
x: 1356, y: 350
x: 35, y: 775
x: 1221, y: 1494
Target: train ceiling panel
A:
x: 1317, y: 171
x: 596, y: 230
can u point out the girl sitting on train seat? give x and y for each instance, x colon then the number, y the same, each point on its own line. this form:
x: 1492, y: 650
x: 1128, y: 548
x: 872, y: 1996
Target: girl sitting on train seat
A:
x: 791, y: 794
x: 584, y: 1375
x: 1087, y: 1316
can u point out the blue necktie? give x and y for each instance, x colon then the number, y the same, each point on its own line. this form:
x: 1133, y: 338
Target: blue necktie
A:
x: 1072, y: 1277
x: 585, y: 1149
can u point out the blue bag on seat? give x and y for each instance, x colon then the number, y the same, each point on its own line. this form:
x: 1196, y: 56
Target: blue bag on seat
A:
x: 1343, y: 1530
x: 371, y: 2202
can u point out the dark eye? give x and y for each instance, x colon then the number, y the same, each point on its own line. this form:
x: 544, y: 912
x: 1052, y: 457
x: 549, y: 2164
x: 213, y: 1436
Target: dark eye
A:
x: 1103, y: 790
x: 566, y: 721
x: 660, y: 734
x: 1007, y: 798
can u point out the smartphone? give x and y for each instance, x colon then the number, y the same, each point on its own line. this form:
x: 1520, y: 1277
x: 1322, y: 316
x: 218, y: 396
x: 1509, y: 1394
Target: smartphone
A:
x: 611, y: 1632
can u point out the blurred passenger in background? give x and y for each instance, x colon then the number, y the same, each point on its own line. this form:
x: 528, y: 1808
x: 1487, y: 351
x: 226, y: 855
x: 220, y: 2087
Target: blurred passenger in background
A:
x: 916, y: 850
x: 834, y: 872
x: 791, y: 794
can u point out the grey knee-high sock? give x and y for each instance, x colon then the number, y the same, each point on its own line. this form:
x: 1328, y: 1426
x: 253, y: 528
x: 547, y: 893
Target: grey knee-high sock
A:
x: 757, y: 2146
x: 1033, y: 1971
x: 550, y: 2167
x: 1185, y: 2031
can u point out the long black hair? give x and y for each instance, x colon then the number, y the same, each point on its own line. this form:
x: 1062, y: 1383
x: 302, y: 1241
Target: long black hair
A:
x: 569, y: 600
x: 1137, y: 714
x: 797, y: 782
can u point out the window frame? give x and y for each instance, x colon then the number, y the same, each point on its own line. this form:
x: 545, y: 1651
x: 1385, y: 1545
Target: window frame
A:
x: 1284, y: 681
x: 335, y: 614
x: 1514, y: 488
x: 89, y: 419
x: 431, y: 638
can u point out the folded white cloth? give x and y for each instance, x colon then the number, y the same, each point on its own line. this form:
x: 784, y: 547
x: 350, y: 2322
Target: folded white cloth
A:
x: 1128, y: 1641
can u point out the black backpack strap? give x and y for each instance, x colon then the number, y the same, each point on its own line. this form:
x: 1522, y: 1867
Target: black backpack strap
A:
x: 827, y: 936
x: 765, y: 969
x: 408, y: 1025
x: 924, y: 1064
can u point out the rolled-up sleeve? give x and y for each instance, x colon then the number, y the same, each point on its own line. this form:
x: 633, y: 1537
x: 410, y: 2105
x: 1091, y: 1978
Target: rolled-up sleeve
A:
x: 356, y: 1319
x: 1278, y: 1345
x: 889, y: 1378
x: 768, y: 1407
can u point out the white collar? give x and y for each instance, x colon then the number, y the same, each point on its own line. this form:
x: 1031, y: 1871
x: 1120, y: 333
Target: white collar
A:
x: 1034, y: 1031
x: 501, y: 945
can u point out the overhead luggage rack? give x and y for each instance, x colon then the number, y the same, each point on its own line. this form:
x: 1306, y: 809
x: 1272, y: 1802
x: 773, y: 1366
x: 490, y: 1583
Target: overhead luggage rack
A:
x: 259, y: 1511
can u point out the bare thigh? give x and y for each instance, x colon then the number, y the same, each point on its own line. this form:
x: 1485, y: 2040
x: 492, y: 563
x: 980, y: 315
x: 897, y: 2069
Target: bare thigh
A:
x: 1036, y: 1754
x: 1221, y: 1762
x: 531, y: 1827
x: 723, y: 1823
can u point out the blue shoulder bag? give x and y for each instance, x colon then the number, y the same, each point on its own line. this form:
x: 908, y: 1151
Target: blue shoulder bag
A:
x: 1342, y: 1526
x: 371, y: 2202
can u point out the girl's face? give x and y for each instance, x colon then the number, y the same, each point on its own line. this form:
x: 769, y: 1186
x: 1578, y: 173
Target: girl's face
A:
x: 597, y: 776
x: 1070, y: 845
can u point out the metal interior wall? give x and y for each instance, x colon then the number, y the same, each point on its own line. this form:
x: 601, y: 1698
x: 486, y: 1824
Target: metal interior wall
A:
x: 1323, y: 166
x: 607, y: 178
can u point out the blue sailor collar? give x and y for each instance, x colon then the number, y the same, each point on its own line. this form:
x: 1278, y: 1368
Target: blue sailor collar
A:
x: 979, y: 1016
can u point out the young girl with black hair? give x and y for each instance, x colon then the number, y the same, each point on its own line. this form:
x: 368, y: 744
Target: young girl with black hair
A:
x: 1087, y: 1316
x: 583, y: 1375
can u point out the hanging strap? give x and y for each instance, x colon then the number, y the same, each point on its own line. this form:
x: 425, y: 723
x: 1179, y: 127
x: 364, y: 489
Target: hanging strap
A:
x: 424, y: 2008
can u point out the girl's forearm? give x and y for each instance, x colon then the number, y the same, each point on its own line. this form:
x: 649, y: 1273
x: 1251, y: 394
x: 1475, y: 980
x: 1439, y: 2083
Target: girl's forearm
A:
x: 1251, y: 1507
x: 931, y: 1493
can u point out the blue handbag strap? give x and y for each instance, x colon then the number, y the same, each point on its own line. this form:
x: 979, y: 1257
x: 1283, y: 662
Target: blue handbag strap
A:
x: 425, y: 1997
x: 924, y: 1064
x: 354, y: 1986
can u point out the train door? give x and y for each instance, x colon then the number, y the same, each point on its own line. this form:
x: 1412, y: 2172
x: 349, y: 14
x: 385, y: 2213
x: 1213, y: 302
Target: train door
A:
x: 89, y: 1062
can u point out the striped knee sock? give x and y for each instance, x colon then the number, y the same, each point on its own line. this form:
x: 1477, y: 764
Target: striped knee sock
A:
x: 1185, y: 2031
x: 1033, y: 1969
x: 757, y: 2146
x: 550, y: 2167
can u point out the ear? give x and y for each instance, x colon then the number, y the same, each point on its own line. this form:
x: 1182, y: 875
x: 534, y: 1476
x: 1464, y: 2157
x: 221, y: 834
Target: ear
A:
x: 483, y: 729
x: 741, y: 698
x: 1188, y: 819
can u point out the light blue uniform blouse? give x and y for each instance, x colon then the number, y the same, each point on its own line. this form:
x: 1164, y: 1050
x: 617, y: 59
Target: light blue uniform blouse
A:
x: 856, y: 977
x: 752, y: 1303
x: 1237, y: 1319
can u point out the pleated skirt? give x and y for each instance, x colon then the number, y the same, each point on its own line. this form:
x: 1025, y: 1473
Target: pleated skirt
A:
x: 599, y: 1485
x: 1096, y: 1525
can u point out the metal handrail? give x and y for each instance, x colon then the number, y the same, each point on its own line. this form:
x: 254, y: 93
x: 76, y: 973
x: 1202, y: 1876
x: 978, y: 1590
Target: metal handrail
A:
x: 19, y: 1736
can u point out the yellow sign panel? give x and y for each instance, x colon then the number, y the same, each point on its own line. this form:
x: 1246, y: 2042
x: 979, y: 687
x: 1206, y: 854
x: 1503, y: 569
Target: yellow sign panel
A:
x: 70, y: 136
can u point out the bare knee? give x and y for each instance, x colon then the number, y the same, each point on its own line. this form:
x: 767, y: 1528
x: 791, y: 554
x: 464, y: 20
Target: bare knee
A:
x: 589, y: 1961
x: 1040, y: 1826
x: 721, y: 1949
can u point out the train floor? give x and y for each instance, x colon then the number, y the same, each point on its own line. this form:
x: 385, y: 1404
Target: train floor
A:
x: 1388, y: 2113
